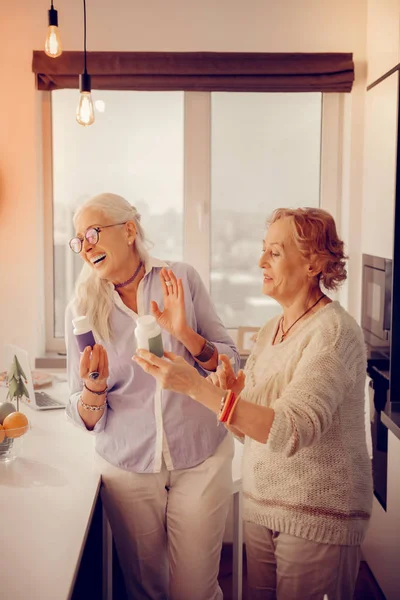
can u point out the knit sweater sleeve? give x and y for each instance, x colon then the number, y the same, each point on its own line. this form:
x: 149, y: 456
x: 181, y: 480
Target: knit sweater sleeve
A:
x: 305, y: 409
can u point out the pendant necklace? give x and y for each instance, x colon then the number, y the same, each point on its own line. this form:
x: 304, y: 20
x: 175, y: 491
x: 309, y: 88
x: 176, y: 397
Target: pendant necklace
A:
x: 284, y: 333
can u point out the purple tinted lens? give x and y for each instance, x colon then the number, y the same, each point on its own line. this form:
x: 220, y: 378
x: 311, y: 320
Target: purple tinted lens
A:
x: 92, y: 236
x: 75, y: 245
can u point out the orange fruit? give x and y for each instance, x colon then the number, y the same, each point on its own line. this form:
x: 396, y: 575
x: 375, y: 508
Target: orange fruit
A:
x: 2, y: 434
x: 15, y: 424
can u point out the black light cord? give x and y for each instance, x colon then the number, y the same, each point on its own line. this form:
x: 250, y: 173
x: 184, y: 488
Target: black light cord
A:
x: 84, y: 35
x: 53, y: 16
x: 84, y: 78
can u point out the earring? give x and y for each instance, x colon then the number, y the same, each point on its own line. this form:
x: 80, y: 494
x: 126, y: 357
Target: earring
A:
x: 129, y: 243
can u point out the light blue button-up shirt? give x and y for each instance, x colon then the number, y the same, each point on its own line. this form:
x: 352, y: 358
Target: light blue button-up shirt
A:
x: 144, y: 424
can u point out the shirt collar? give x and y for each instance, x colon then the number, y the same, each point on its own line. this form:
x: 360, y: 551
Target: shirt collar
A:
x: 153, y: 262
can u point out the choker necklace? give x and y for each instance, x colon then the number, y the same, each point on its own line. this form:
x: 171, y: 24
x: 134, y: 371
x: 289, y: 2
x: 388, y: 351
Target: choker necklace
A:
x: 284, y: 333
x: 128, y: 281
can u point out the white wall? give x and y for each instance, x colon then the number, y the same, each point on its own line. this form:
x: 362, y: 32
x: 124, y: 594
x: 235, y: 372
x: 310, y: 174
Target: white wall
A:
x: 380, y: 147
x: 178, y: 25
x: 352, y: 190
x: 380, y: 168
x: 383, y: 37
x: 381, y: 546
x: 380, y: 144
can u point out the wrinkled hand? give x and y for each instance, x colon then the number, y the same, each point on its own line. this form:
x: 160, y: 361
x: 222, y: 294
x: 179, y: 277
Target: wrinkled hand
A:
x: 173, y: 374
x: 173, y: 317
x: 94, y: 359
x: 225, y: 378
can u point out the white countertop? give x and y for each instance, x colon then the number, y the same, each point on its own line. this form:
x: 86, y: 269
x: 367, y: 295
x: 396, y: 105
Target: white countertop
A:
x: 47, y: 495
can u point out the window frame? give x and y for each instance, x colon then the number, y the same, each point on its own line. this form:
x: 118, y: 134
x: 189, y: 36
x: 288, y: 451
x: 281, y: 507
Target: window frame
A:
x: 197, y: 187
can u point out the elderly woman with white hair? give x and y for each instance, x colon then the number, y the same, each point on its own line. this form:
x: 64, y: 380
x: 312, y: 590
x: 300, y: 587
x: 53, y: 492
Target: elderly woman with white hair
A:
x: 166, y: 466
x: 299, y: 408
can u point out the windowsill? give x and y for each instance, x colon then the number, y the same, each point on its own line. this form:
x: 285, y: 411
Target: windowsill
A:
x: 51, y: 360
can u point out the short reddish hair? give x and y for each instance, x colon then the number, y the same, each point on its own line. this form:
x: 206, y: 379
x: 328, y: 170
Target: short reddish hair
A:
x: 314, y: 232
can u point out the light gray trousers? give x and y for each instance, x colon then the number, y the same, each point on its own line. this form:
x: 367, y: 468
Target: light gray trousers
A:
x: 169, y: 542
x: 285, y: 567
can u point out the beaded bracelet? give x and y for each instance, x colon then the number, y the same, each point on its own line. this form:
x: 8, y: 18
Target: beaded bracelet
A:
x: 221, y: 407
x: 92, y: 407
x: 93, y: 392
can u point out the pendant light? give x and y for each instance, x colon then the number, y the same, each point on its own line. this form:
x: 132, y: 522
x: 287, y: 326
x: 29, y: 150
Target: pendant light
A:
x: 52, y: 45
x: 85, y: 110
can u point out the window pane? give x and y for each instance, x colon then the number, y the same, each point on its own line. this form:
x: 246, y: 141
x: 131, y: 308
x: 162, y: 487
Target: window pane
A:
x: 135, y: 149
x: 265, y: 154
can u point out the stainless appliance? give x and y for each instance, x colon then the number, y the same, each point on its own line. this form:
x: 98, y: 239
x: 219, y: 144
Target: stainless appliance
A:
x: 376, y: 304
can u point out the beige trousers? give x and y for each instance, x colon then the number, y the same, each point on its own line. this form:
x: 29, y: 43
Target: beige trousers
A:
x: 285, y: 567
x: 168, y: 527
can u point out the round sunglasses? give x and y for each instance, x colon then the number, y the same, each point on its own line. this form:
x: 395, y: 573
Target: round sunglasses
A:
x: 91, y: 235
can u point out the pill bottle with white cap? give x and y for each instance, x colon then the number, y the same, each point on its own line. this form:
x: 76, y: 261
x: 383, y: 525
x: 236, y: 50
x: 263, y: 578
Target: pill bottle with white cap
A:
x: 148, y: 335
x: 83, y: 332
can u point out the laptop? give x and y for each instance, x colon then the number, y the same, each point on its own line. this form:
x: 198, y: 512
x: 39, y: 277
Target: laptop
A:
x: 55, y: 396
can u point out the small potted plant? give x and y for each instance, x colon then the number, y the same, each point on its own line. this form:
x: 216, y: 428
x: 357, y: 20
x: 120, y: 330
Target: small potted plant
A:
x: 16, y: 380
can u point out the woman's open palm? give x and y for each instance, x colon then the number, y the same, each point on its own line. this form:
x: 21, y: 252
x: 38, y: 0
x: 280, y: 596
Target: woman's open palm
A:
x: 173, y: 317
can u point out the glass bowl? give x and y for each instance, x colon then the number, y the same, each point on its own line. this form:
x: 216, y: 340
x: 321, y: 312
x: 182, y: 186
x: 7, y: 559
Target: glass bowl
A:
x: 12, y: 443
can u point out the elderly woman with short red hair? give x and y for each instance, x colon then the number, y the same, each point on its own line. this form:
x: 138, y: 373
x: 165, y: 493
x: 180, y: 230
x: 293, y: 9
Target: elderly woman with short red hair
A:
x: 300, y: 409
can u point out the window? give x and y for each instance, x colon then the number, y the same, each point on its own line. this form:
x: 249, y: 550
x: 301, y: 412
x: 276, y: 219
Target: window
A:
x: 203, y: 169
x: 265, y: 152
x: 135, y: 149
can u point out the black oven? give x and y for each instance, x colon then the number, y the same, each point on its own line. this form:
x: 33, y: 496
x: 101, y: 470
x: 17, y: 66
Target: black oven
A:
x: 378, y: 394
x: 376, y: 303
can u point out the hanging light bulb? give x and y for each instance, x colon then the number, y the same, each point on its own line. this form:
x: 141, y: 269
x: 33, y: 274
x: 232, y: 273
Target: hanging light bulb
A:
x: 52, y: 45
x: 85, y: 110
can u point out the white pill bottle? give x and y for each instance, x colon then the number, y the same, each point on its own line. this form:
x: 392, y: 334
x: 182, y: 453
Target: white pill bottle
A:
x: 148, y: 335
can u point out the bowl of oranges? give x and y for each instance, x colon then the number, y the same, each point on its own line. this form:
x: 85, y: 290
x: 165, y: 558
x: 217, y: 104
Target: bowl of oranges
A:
x: 13, y: 427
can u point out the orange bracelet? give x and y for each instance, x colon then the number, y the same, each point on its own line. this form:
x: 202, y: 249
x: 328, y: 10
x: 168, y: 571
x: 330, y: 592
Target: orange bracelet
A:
x: 229, y: 402
x: 223, y: 408
x: 229, y: 419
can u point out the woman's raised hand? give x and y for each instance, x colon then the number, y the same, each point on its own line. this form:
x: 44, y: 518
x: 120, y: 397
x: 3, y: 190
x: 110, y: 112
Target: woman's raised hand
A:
x: 94, y: 360
x: 173, y: 317
x: 225, y: 377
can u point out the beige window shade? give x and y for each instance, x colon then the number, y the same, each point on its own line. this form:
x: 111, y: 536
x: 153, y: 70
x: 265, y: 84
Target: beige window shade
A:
x: 198, y: 71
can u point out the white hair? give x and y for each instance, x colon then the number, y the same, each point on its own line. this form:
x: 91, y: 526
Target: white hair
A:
x: 94, y: 296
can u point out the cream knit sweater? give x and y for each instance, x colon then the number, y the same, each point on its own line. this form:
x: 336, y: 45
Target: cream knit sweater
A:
x: 313, y: 477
